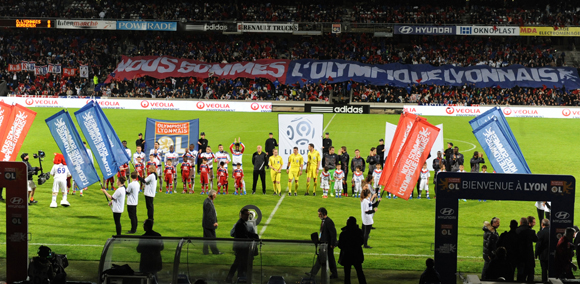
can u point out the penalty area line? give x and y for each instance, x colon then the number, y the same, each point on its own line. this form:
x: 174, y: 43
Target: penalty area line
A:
x: 328, y: 123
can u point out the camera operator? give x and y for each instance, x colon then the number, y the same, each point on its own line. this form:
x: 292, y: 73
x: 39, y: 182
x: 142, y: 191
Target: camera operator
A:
x: 32, y: 171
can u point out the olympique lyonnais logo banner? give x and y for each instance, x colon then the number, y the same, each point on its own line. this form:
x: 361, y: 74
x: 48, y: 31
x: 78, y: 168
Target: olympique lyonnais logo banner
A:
x: 70, y: 144
x: 18, y: 122
x: 306, y: 71
x: 295, y: 130
x: 401, y: 181
x: 177, y: 133
x: 406, y: 123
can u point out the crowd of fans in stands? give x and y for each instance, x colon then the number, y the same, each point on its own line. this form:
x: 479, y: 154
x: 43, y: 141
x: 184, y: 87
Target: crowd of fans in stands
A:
x: 101, y: 50
x: 560, y: 14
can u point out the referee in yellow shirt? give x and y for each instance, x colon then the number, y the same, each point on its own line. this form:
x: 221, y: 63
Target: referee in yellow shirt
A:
x: 312, y: 168
x: 294, y: 170
x: 275, y: 163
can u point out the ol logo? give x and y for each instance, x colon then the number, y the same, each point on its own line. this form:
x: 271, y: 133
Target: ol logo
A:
x: 301, y: 131
x: 562, y: 215
x: 447, y: 211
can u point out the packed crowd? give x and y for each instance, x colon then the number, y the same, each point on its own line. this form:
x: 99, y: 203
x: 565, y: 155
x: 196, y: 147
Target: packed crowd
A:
x: 562, y: 13
x: 102, y: 52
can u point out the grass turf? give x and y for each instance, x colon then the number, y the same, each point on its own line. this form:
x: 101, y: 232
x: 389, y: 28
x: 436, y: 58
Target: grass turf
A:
x: 405, y: 229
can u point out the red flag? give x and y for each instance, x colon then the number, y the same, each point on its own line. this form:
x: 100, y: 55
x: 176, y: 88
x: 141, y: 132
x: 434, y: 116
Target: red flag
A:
x: 419, y: 80
x: 68, y: 72
x: 406, y: 122
x: 14, y: 67
x: 544, y: 87
x: 494, y: 28
x: 330, y: 78
x: 303, y: 80
x: 5, y: 112
x: 17, y: 127
x: 556, y: 28
x: 401, y: 182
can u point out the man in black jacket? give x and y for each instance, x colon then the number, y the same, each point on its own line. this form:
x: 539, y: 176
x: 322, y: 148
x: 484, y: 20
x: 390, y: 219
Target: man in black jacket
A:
x: 490, y: 238
x: 372, y: 160
x: 509, y: 240
x: 543, y: 248
x: 259, y: 160
x: 209, y: 222
x: 140, y: 142
x: 526, y: 261
x: 381, y: 152
x: 448, y: 156
x: 201, y: 146
x: 344, y: 159
x: 326, y: 143
x: 241, y: 248
x: 270, y: 145
x: 330, y: 160
x: 32, y: 171
x: 327, y: 235
x: 356, y: 162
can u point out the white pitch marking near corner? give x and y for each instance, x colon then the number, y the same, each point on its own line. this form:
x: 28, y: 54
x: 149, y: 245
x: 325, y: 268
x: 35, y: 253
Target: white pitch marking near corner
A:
x: 272, y: 214
x: 328, y: 123
x: 466, y: 143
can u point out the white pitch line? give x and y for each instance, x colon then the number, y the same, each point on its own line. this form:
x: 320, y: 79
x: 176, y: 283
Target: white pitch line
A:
x: 465, y: 142
x: 272, y: 215
x: 64, y: 245
x: 328, y: 123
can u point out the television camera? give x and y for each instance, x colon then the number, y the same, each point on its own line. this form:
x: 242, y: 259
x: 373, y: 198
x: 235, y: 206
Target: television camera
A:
x: 42, y: 177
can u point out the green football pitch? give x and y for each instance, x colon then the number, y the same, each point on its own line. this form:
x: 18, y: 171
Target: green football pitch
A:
x: 404, y: 233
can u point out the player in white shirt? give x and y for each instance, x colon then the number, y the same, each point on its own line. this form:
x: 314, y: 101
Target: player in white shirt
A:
x: 425, y: 175
x: 325, y: 182
x: 376, y: 188
x: 60, y: 173
x: 208, y: 154
x: 132, y: 201
x: 237, y: 148
x: 138, y: 153
x: 158, y: 154
x: 222, y: 156
x: 192, y: 154
x: 462, y: 170
x: 130, y: 155
x: 357, y: 179
x: 338, y: 178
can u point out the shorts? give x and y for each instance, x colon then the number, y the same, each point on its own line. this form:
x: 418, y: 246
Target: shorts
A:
x: 223, y: 181
x: 58, y: 184
x: 203, y: 179
x: 357, y: 187
x: 294, y: 175
x: 239, y: 183
x: 324, y: 185
x: 31, y: 185
x: 338, y: 185
x: 185, y: 177
x: 311, y: 173
x: 168, y: 179
x: 275, y: 176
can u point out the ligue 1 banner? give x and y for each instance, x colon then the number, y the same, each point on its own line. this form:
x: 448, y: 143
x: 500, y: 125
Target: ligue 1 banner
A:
x: 71, y: 146
x: 335, y: 71
x: 188, y: 105
x: 16, y: 121
x: 517, y: 111
x: 177, y: 133
x: 299, y: 130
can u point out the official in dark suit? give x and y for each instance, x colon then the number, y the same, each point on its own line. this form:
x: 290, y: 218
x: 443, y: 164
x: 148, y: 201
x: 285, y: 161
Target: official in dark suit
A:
x: 543, y: 248
x: 526, y: 262
x: 209, y: 222
x: 327, y: 235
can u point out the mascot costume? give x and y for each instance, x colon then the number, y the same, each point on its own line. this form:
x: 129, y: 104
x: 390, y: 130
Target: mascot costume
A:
x: 60, y: 173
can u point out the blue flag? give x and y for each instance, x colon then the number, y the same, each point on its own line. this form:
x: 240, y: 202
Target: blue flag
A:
x: 92, y: 127
x: 70, y: 144
x: 498, y: 114
x: 500, y: 152
x: 119, y: 153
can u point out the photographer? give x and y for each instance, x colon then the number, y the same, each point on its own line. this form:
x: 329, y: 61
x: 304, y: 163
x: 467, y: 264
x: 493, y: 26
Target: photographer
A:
x: 32, y: 171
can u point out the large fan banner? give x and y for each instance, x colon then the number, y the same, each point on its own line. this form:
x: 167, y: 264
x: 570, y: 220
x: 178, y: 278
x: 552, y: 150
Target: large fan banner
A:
x: 306, y: 71
x: 70, y: 144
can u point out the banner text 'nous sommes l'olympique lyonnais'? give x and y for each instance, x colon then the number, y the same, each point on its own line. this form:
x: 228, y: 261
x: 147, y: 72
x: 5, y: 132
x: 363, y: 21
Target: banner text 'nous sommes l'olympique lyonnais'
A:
x: 305, y: 71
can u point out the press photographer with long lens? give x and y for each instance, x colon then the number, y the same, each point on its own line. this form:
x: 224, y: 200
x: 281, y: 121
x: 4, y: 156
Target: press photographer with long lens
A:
x: 32, y: 171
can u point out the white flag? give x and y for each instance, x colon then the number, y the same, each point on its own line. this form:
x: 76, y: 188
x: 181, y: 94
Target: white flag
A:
x: 299, y: 130
x: 84, y: 71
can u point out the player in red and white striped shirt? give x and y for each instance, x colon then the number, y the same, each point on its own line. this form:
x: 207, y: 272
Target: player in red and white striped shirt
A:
x: 238, y: 174
x: 169, y: 173
x: 209, y: 156
x: 186, y: 168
